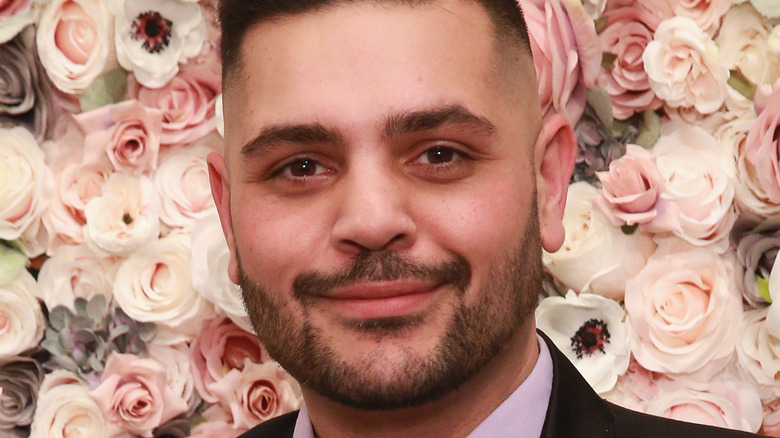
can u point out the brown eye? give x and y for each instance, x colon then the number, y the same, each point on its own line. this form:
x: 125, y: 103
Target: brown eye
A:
x: 439, y: 155
x: 304, y: 167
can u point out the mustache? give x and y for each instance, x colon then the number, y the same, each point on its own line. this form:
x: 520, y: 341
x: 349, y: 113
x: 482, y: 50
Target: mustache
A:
x: 384, y: 266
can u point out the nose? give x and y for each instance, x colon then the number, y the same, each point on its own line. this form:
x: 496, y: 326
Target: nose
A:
x: 372, y: 214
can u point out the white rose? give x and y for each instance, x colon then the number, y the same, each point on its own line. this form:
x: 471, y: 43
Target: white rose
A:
x: 176, y: 361
x: 743, y: 45
x: 26, y: 185
x: 220, y: 115
x: 15, y: 15
x: 154, y: 36
x: 683, y: 67
x: 153, y: 285
x: 685, y: 311
x: 21, y: 319
x: 65, y: 409
x: 590, y: 331
x: 75, y: 43
x: 210, y: 257
x: 697, y: 180
x: 182, y: 183
x: 767, y: 8
x: 723, y: 402
x: 124, y: 217
x: 75, y: 272
x: 758, y: 353
x: 596, y: 256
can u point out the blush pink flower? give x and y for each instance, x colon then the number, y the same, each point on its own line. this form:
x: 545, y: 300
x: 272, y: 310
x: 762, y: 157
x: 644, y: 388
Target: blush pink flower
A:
x: 762, y: 145
x: 128, y: 133
x: 706, y: 13
x: 14, y: 16
x: 626, y: 37
x: 186, y: 102
x: 566, y: 52
x: 222, y: 346
x: 257, y: 393
x: 221, y: 429
x: 134, y: 397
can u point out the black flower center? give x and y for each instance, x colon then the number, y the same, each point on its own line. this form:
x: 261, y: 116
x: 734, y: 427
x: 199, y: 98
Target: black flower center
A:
x: 590, y: 337
x: 127, y: 219
x: 153, y: 29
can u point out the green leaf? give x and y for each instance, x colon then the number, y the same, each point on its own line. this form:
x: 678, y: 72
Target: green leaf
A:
x: 598, y: 99
x: 739, y: 82
x: 650, y: 129
x: 81, y: 306
x: 67, y: 363
x: 12, y: 260
x: 629, y: 229
x: 105, y: 90
x: 146, y: 331
x: 85, y: 336
x: 52, y: 346
x: 601, y: 23
x: 65, y: 341
x: 95, y: 363
x: 763, y: 288
x: 608, y: 60
x: 120, y: 330
x: 97, y: 308
x: 59, y: 317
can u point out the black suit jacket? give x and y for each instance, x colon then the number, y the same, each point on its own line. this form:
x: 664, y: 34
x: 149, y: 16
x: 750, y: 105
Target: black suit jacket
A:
x: 575, y: 411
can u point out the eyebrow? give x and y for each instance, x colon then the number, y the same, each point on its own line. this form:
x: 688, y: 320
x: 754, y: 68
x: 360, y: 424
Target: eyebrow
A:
x: 396, y: 125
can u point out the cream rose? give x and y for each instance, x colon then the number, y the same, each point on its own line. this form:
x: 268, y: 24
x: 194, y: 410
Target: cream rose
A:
x: 683, y: 66
x: 26, y: 185
x: 134, y: 397
x: 218, y: 113
x: 698, y: 184
x: 596, y: 256
x: 175, y: 359
x: 66, y: 410
x: 182, y: 184
x: 127, y: 133
x: 15, y: 15
x: 124, y: 217
x: 222, y: 346
x: 75, y: 272
x: 257, y: 393
x: 758, y: 353
x: 21, y: 319
x: 566, y: 54
x: 761, y: 147
x: 706, y: 13
x: 220, y: 428
x: 635, y: 387
x: 743, y: 45
x: 153, y: 285
x: 75, y: 43
x: 210, y: 257
x: 685, y: 311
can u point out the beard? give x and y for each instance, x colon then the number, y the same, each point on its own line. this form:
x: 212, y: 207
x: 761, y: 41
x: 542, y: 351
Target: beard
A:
x: 473, y: 336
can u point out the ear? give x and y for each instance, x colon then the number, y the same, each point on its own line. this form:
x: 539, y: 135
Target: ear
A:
x: 220, y: 191
x: 554, y: 156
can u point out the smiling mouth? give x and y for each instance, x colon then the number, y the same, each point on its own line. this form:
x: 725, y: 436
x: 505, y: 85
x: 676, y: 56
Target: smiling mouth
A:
x: 381, y: 300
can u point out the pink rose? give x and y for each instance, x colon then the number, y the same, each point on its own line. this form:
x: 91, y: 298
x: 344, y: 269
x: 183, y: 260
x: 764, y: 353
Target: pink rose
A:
x: 631, y: 188
x: 221, y: 429
x: 685, y: 311
x: 683, y: 66
x: 127, y: 133
x: 14, y: 16
x: 222, y: 346
x: 134, y: 397
x: 257, y: 393
x: 567, y: 54
x: 706, y: 13
x: 771, y: 426
x: 186, y: 102
x: 626, y: 82
x: 763, y: 143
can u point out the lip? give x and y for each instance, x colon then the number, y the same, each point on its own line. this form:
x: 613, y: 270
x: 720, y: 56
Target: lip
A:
x: 380, y: 300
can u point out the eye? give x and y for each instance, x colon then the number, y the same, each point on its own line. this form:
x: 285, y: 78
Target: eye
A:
x: 439, y: 155
x: 302, y: 168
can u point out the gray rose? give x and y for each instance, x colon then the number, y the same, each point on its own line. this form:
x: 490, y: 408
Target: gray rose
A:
x: 20, y: 379
x: 25, y: 94
x: 757, y: 242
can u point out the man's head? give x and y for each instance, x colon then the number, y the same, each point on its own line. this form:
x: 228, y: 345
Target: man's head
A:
x: 383, y: 167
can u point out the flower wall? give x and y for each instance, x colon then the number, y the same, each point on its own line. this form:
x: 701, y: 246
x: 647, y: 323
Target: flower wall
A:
x: 116, y: 313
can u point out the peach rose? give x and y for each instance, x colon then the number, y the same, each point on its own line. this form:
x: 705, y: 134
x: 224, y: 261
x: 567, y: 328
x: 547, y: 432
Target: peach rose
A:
x: 257, y: 393
x: 771, y: 426
x: 75, y: 272
x: 743, y: 45
x: 706, y: 13
x: 21, y: 319
x: 75, y: 43
x: 186, y: 102
x: 222, y: 346
x: 626, y: 37
x: 182, y: 184
x: 758, y: 353
x: 221, y: 429
x: 762, y: 144
x: 127, y: 133
x: 134, y: 397
x: 65, y: 409
x: 566, y: 54
x: 685, y: 311
x: 683, y: 66
x: 178, y: 377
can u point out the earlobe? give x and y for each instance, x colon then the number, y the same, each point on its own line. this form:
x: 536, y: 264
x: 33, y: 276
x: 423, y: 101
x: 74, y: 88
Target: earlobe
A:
x: 555, y: 154
x: 220, y: 191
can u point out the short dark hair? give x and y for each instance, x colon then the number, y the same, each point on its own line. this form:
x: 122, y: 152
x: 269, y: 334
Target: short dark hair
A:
x: 237, y: 16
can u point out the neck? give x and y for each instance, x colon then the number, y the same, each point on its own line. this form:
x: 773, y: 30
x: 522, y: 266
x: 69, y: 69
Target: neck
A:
x: 454, y: 415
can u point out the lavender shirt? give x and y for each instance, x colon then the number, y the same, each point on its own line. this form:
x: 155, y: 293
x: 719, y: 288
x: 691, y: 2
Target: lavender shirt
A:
x: 520, y: 415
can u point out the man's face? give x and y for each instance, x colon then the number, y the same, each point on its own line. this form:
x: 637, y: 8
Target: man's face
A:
x: 380, y: 201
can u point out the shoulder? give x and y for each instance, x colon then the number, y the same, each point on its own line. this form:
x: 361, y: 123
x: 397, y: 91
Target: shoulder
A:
x: 279, y: 427
x: 630, y: 423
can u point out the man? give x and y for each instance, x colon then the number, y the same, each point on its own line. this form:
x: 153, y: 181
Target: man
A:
x: 386, y: 190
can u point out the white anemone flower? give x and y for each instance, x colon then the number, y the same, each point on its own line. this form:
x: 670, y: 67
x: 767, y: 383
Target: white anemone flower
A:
x: 590, y: 330
x: 154, y: 36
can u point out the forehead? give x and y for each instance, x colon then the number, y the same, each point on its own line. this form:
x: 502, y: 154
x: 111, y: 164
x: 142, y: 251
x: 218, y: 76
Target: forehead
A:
x: 356, y: 63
